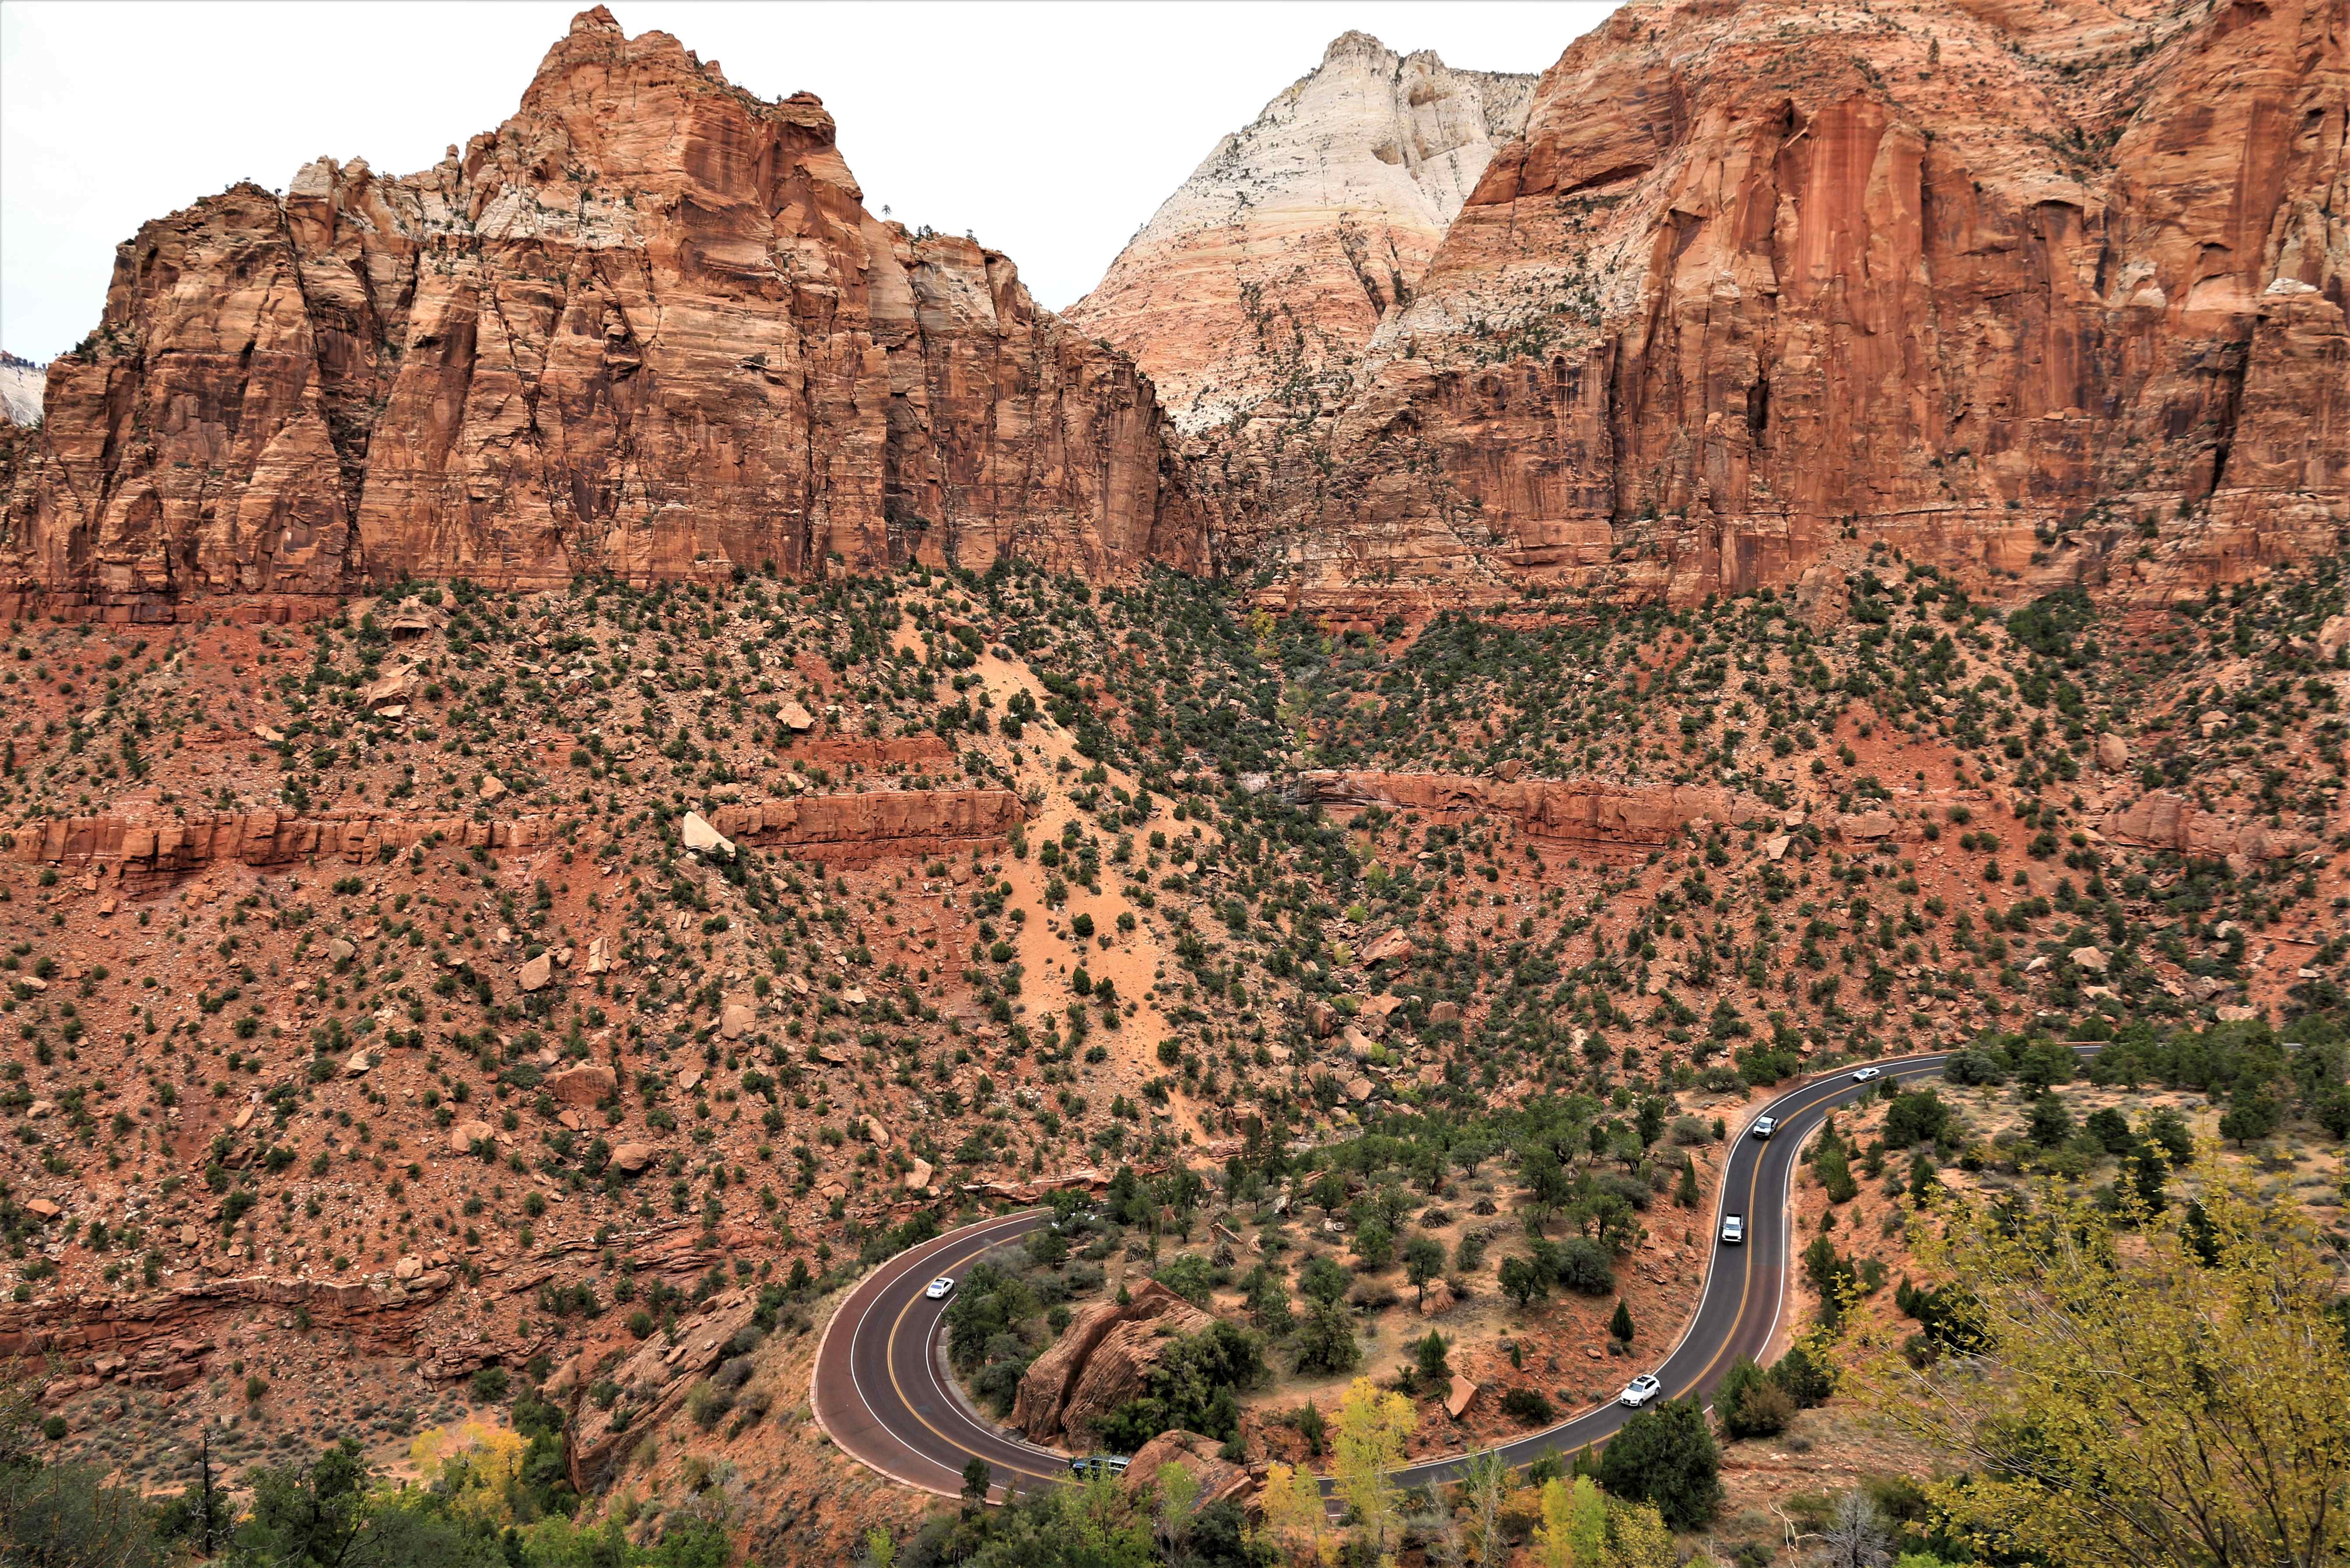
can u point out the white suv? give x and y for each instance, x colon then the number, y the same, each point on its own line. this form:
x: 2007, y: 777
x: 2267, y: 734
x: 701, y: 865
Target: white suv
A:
x: 1639, y: 1391
x: 1765, y: 1125
x: 1733, y: 1228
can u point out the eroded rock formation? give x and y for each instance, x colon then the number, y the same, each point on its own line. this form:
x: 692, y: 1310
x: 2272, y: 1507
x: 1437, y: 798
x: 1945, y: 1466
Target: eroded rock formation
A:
x: 1099, y: 1362
x: 1263, y: 275
x: 140, y: 852
x: 646, y: 326
x: 1599, y: 815
x: 2040, y: 293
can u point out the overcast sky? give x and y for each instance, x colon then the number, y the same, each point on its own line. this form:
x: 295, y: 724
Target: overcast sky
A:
x: 1050, y: 131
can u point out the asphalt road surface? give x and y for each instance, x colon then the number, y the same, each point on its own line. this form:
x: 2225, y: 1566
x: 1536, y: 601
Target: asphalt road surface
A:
x: 880, y: 1390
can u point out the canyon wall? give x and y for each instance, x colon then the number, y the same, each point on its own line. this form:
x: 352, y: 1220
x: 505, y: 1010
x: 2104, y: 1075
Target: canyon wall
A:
x: 1266, y: 272
x: 646, y: 326
x: 2038, y: 293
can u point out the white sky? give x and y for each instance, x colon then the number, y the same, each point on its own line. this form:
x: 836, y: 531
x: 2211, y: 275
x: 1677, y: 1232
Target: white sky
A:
x: 1050, y: 130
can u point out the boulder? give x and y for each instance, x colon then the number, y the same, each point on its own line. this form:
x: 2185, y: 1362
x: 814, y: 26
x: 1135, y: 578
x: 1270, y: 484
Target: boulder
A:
x: 1221, y: 1481
x: 2090, y: 958
x: 600, y: 956
x: 1438, y: 1300
x: 1865, y: 827
x: 2113, y: 752
x: 586, y: 1085
x: 538, y: 973
x: 493, y: 787
x: 701, y: 838
x: 735, y: 1021
x: 466, y: 1135
x: 797, y: 719
x: 918, y: 1177
x: 633, y: 1158
x: 1457, y: 1400
x: 338, y: 950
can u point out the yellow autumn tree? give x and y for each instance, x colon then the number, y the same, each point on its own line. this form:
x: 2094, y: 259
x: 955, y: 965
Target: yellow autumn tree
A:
x: 1372, y: 1428
x: 1637, y: 1538
x: 475, y: 1464
x: 1574, y: 1529
x: 2121, y: 1389
x: 1294, y: 1516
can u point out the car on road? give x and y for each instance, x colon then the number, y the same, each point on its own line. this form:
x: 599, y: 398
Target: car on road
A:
x: 941, y: 1288
x: 1765, y: 1126
x: 1086, y: 1466
x: 1866, y: 1074
x: 1733, y: 1228
x: 1639, y: 1391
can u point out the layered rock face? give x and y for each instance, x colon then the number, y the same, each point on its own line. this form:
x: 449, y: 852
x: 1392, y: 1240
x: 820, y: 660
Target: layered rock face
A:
x: 646, y: 326
x: 1100, y: 1361
x: 2038, y: 293
x: 1264, y: 275
x: 141, y: 851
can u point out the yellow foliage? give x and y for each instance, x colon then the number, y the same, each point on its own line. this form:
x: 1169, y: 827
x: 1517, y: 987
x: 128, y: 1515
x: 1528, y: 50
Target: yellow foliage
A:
x: 1372, y: 1428
x: 2143, y: 1390
x: 1573, y: 1524
x: 475, y: 1463
x: 1637, y: 1538
x: 1295, y: 1515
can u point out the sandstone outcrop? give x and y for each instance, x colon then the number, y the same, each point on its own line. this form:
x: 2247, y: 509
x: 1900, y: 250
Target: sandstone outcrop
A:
x: 1221, y: 1481
x: 141, y: 853
x: 2166, y: 821
x: 1099, y: 1362
x: 894, y: 818
x: 646, y: 326
x: 1264, y: 275
x: 654, y: 1381
x: 2039, y: 294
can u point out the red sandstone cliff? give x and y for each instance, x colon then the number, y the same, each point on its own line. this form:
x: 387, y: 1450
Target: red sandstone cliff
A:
x: 646, y: 326
x: 2050, y: 292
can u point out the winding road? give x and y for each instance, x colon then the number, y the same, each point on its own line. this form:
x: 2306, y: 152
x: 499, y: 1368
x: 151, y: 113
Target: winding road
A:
x: 879, y: 1388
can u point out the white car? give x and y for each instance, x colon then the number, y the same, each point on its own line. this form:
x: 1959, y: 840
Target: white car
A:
x: 1733, y: 1228
x: 1639, y: 1391
x: 1866, y: 1074
x: 1765, y: 1126
x: 940, y: 1288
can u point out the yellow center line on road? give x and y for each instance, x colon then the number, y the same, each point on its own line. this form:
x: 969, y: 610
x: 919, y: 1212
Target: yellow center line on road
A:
x: 891, y: 1362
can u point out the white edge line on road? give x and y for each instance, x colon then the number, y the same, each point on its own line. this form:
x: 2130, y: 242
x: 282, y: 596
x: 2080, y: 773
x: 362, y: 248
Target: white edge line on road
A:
x: 816, y: 1406
x: 1920, y: 1063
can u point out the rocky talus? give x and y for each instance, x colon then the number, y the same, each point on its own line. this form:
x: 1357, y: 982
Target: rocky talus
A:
x: 2039, y: 294
x: 647, y: 327
x: 1266, y: 273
